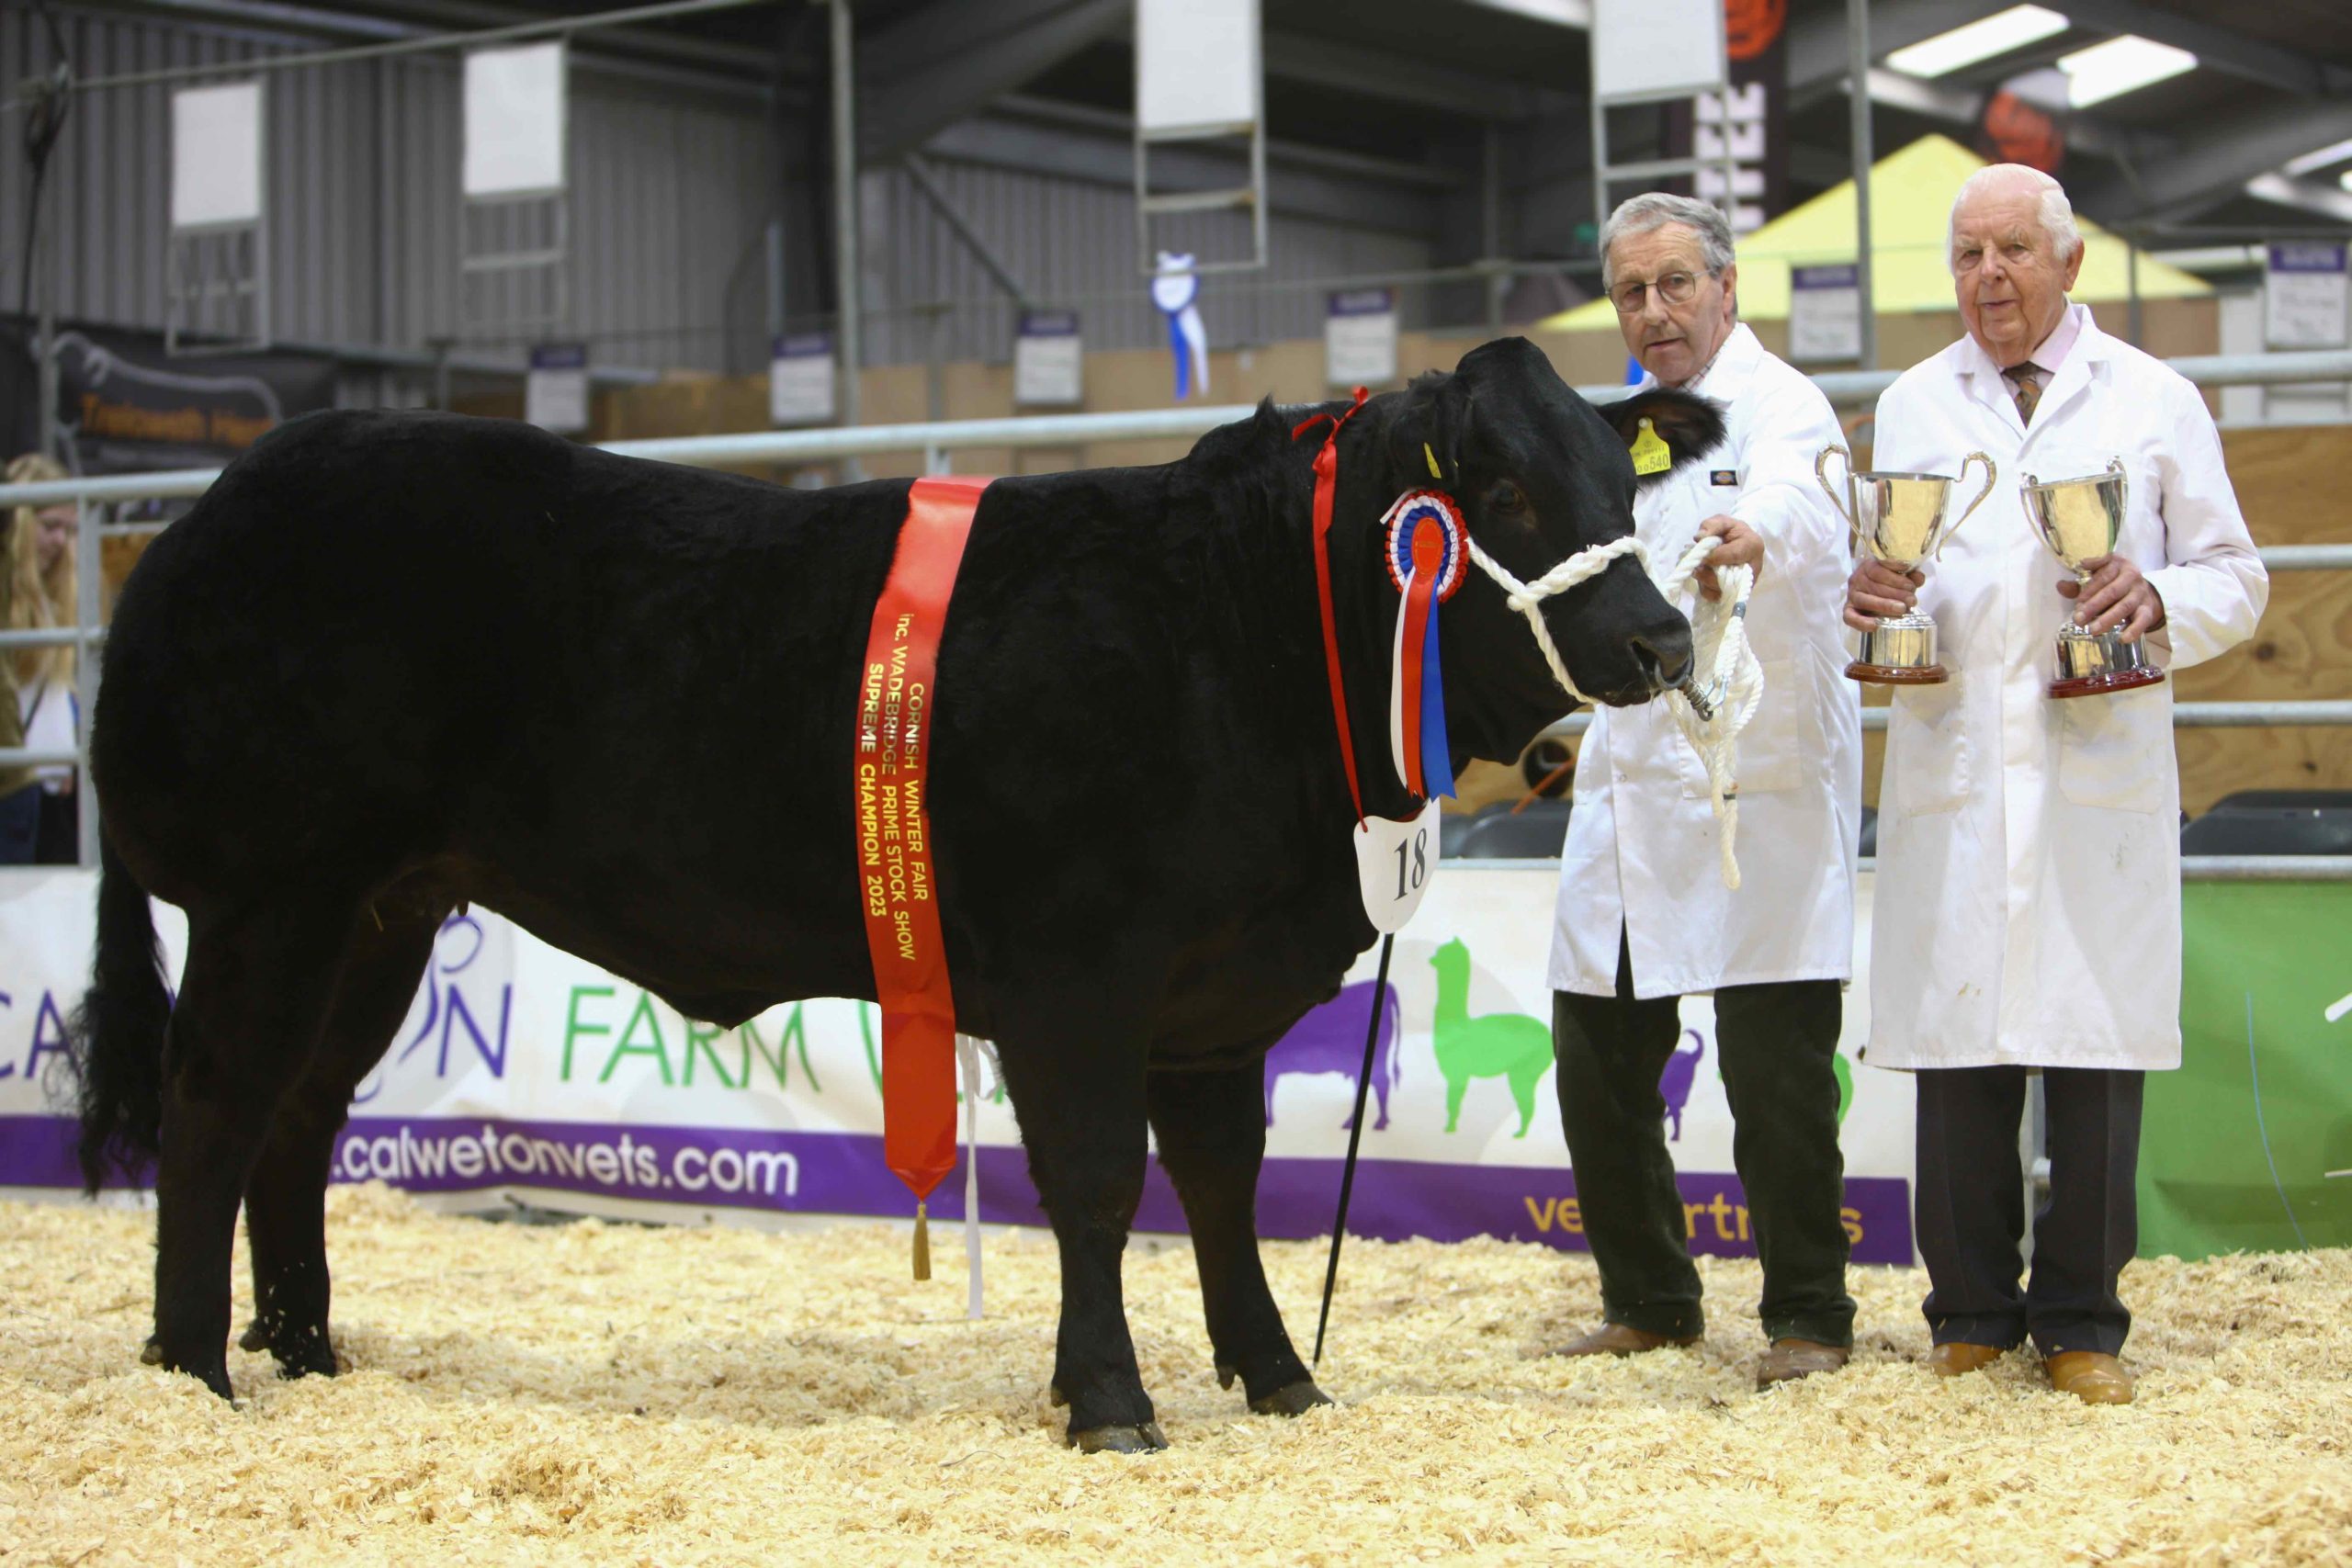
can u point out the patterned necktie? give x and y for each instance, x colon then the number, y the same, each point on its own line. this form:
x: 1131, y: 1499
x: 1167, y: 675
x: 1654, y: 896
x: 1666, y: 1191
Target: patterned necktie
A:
x: 2026, y: 377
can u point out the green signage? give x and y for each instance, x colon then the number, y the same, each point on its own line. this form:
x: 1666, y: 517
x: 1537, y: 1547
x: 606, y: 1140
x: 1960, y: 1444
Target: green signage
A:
x: 2236, y: 1146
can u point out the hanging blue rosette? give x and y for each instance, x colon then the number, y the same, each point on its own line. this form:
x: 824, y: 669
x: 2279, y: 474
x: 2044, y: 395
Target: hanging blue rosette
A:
x: 1176, y: 291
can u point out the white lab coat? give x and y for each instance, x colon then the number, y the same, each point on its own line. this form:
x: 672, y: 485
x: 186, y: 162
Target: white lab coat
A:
x: 2027, y: 903
x: 1641, y: 850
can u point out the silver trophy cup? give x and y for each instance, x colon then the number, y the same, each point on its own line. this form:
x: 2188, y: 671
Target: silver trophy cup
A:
x: 1900, y: 519
x: 2080, y: 520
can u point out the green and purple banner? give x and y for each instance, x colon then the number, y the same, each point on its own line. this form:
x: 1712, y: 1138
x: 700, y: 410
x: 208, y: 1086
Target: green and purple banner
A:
x: 524, y: 1072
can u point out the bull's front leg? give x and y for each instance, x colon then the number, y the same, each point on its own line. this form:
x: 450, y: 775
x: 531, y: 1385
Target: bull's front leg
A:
x: 1212, y: 1143
x: 1080, y: 1102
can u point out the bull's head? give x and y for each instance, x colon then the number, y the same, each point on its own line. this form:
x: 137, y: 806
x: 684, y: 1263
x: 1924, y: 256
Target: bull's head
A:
x: 1539, y: 475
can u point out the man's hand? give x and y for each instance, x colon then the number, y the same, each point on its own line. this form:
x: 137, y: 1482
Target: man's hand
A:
x: 2117, y: 594
x: 1741, y: 546
x: 1877, y: 589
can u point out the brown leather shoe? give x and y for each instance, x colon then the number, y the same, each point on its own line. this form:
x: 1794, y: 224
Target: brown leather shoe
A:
x: 1789, y: 1359
x: 1622, y: 1340
x: 2091, y: 1376
x: 1959, y: 1357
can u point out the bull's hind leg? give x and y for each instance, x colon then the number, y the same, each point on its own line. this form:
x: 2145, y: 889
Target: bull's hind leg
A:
x: 1080, y: 1102
x: 1212, y: 1143
x: 252, y: 1002
x: 286, y: 1194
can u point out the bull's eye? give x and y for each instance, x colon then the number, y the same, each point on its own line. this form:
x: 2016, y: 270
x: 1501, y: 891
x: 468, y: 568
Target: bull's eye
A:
x: 1507, y: 499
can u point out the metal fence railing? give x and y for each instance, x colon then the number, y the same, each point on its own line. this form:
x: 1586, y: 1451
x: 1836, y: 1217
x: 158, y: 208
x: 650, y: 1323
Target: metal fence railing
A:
x: 936, y: 442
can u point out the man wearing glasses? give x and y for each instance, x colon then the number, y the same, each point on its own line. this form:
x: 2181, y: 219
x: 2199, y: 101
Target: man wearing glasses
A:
x: 1644, y: 919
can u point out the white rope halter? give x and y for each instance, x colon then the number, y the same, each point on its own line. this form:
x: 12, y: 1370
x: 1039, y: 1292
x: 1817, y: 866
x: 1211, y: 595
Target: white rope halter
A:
x: 1735, y: 683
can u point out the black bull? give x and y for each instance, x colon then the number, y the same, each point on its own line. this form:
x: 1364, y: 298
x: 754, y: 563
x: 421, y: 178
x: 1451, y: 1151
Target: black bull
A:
x: 395, y: 663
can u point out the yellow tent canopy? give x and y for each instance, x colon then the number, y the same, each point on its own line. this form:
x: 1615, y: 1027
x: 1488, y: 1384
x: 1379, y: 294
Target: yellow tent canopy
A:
x: 1911, y: 194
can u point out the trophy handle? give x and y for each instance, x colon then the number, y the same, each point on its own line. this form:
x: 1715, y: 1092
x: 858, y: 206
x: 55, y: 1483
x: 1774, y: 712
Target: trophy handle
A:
x: 1821, y: 476
x: 1992, y: 477
x: 2122, y: 487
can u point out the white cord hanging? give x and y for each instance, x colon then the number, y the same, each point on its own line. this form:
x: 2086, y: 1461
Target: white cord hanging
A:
x: 1732, y: 682
x: 970, y: 1049
x: 1733, y: 687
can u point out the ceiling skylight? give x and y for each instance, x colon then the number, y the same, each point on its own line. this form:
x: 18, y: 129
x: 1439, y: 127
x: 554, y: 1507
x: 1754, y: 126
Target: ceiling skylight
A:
x: 2120, y: 65
x: 2334, y: 152
x: 1996, y: 34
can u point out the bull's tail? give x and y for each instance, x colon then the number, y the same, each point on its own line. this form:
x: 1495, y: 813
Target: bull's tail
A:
x: 118, y: 1032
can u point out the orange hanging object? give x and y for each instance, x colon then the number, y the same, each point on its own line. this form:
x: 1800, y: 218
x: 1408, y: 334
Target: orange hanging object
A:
x: 897, y: 883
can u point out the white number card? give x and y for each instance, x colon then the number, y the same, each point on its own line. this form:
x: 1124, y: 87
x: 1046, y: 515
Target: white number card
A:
x: 1395, y: 863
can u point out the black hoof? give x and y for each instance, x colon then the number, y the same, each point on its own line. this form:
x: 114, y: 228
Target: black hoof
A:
x: 1147, y: 1438
x: 1054, y: 1396
x: 214, y: 1377
x: 1291, y: 1399
x: 310, y: 1356
x: 254, y: 1337
x: 1225, y: 1375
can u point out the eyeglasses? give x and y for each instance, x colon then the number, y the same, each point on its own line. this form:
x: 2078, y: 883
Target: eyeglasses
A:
x: 1675, y: 288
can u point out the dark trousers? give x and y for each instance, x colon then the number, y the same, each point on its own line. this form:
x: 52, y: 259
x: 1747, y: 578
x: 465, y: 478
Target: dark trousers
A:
x: 58, y: 842
x: 19, y: 824
x: 1970, y: 1208
x: 1774, y: 1048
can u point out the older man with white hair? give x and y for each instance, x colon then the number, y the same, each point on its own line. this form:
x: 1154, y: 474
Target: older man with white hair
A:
x: 2027, y: 916
x: 1644, y: 917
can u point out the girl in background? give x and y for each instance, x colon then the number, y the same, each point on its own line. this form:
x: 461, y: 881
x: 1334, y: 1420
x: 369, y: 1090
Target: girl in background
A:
x: 40, y: 592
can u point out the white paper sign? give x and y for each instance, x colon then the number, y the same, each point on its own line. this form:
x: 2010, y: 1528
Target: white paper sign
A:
x: 1396, y: 861
x: 555, y: 393
x: 801, y: 379
x: 514, y: 120
x: 216, y: 156
x: 1048, y: 360
x: 1825, y: 313
x: 1196, y: 64
x: 1359, y: 338
x: 1662, y: 48
x: 2303, y: 296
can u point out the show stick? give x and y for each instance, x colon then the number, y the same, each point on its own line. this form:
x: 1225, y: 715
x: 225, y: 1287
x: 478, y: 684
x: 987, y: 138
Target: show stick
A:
x: 1355, y: 1137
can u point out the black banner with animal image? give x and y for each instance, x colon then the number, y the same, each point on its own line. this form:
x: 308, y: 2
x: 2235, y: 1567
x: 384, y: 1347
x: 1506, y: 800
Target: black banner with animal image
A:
x: 125, y: 405
x: 1750, y: 122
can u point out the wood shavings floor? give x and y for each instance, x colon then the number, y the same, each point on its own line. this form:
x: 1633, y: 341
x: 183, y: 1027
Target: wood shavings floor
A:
x: 612, y: 1394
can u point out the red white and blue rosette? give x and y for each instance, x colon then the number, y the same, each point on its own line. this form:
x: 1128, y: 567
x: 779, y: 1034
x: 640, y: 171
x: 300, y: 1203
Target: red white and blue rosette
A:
x: 1427, y: 546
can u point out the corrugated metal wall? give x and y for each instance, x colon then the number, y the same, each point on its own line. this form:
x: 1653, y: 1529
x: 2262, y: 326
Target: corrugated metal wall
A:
x: 671, y: 197
x: 1072, y: 243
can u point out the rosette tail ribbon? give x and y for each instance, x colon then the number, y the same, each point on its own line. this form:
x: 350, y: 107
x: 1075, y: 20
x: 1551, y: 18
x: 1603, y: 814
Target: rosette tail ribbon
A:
x: 1428, y: 546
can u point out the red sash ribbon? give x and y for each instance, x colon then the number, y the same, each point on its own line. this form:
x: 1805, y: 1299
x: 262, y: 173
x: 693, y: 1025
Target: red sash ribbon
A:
x: 896, y: 882
x: 1327, y: 488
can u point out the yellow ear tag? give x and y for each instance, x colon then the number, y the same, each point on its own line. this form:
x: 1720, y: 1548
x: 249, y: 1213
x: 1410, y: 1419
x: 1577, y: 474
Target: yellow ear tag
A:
x: 1431, y: 458
x: 1650, y: 454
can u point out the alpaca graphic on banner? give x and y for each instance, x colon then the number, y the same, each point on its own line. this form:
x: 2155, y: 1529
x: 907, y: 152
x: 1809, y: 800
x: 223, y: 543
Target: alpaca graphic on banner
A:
x: 1674, y: 1084
x: 1329, y: 1039
x: 1508, y: 1045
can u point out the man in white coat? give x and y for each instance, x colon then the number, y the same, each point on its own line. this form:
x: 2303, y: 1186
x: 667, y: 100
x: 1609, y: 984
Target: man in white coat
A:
x: 1644, y: 919
x: 2027, y: 908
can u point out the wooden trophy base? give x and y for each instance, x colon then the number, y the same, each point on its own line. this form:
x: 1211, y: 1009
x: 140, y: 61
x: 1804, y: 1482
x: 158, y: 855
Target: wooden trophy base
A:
x: 2105, y: 681
x: 1896, y: 674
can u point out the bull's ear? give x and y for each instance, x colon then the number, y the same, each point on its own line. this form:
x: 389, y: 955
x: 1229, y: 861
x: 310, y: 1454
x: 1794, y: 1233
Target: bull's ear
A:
x: 1689, y: 425
x: 1429, y: 429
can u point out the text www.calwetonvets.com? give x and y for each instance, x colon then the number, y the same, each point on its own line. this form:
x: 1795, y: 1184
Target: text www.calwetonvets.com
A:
x: 628, y: 1165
